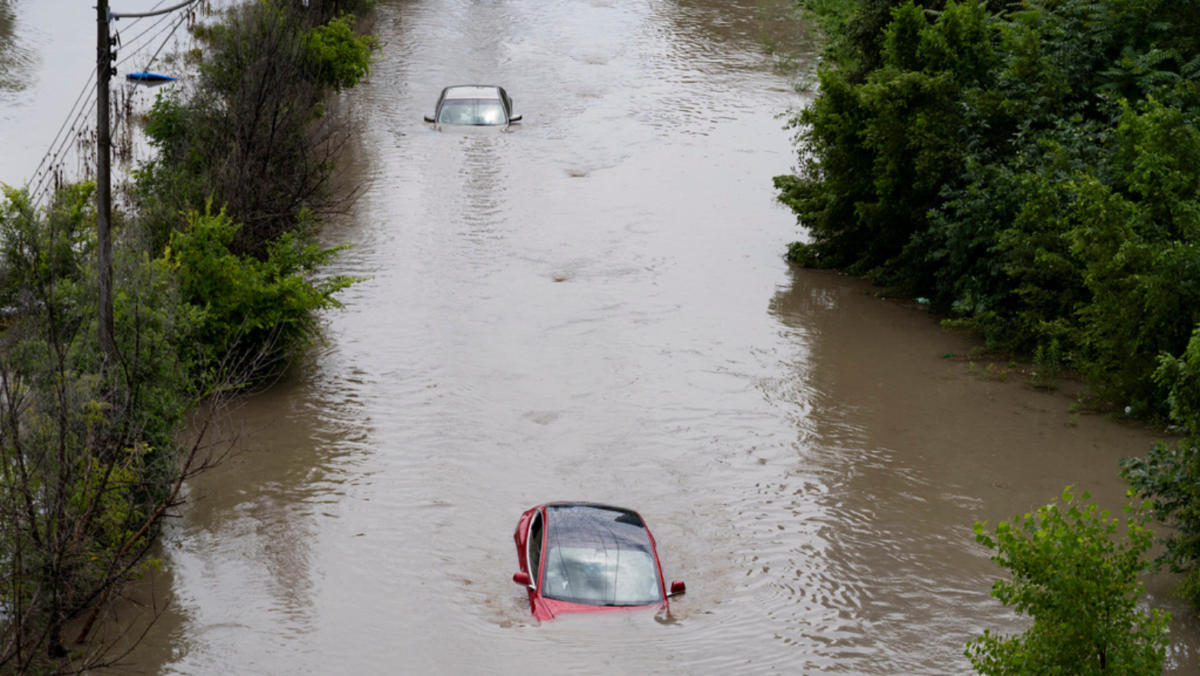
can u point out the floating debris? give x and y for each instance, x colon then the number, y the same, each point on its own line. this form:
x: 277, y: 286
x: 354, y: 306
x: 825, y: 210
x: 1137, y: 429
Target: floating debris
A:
x: 147, y: 77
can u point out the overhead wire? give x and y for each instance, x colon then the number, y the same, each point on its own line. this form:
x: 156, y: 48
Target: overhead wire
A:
x: 179, y: 22
x: 182, y: 18
x: 88, y: 87
x: 153, y: 12
x: 52, y: 151
x: 58, y: 153
x: 51, y: 160
x: 135, y: 39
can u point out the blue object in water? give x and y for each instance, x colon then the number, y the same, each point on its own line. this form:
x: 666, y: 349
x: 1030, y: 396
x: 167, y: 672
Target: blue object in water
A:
x: 147, y: 76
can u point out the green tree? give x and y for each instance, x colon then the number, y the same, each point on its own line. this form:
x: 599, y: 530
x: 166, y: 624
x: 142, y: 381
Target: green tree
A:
x: 341, y: 56
x: 90, y: 455
x: 1031, y: 167
x: 1078, y: 579
x: 261, y: 132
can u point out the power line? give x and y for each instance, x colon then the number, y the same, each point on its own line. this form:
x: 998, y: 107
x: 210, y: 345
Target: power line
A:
x: 58, y: 153
x: 51, y: 160
x: 86, y: 88
x: 181, y: 20
x: 156, y: 6
x: 50, y: 168
x: 72, y: 119
x: 139, y: 36
x: 164, y: 42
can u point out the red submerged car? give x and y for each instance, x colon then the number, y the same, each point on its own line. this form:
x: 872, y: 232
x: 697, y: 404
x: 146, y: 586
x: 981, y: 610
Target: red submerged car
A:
x: 586, y: 557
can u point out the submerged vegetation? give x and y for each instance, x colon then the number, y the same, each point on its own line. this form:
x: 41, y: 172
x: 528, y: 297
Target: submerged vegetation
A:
x: 1033, y: 168
x: 216, y: 264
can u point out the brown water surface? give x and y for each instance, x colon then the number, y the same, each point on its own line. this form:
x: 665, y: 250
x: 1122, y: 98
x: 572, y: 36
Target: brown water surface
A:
x: 594, y: 307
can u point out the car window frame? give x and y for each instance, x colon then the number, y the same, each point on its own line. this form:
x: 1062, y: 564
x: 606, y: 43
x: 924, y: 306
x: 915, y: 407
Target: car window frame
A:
x: 535, y: 568
x: 437, y: 110
x: 502, y: 96
x: 506, y: 102
x: 474, y: 104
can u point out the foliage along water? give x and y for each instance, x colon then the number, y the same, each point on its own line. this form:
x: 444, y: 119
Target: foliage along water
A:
x: 1031, y: 168
x: 594, y: 307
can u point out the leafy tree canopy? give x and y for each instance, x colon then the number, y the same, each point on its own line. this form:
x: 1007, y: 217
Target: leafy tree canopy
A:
x: 1033, y: 168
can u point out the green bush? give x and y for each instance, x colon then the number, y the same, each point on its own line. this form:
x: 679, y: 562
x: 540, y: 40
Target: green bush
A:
x: 1078, y: 579
x: 341, y: 57
x: 259, y: 137
x: 1034, y: 169
x: 258, y: 134
x: 89, y: 440
x: 249, y: 311
x: 36, y: 247
x: 1169, y: 475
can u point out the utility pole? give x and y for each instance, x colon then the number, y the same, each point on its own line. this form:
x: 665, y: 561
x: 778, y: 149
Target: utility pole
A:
x: 104, y: 62
x: 105, y: 58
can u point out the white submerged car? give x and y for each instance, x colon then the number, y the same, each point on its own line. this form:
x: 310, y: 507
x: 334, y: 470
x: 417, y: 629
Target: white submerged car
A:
x: 473, y: 106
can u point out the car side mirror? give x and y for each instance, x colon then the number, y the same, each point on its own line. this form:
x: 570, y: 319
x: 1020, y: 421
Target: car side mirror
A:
x: 429, y: 119
x: 677, y: 587
x: 523, y: 578
x: 514, y: 119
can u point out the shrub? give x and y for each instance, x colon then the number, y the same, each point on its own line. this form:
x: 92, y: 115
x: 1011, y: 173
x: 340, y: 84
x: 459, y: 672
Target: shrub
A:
x: 1078, y: 581
x: 340, y: 57
x: 249, y: 311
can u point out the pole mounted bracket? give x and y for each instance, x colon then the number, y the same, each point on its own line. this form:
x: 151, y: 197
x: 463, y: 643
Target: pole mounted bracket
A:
x: 113, y: 16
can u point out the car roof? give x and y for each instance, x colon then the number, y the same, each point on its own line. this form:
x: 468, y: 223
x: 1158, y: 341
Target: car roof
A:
x: 585, y: 503
x: 597, y: 526
x: 472, y: 92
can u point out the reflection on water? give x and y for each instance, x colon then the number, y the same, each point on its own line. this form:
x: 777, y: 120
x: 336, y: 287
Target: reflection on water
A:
x: 259, y: 516
x: 483, y: 189
x: 16, y: 56
x: 905, y: 452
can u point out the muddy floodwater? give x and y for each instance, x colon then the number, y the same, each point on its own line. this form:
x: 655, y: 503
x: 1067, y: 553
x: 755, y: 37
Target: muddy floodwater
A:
x: 594, y: 307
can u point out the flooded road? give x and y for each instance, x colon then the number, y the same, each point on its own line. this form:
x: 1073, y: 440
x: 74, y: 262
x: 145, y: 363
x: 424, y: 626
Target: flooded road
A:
x: 594, y: 307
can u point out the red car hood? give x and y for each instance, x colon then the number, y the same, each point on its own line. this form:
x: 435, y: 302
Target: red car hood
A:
x: 547, y: 609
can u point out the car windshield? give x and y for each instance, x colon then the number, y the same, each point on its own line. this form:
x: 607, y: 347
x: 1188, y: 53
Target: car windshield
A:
x: 600, y: 557
x: 472, y: 111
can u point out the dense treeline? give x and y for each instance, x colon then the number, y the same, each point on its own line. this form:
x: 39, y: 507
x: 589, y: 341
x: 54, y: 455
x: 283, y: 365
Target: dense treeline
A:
x: 215, y: 263
x: 1033, y: 168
